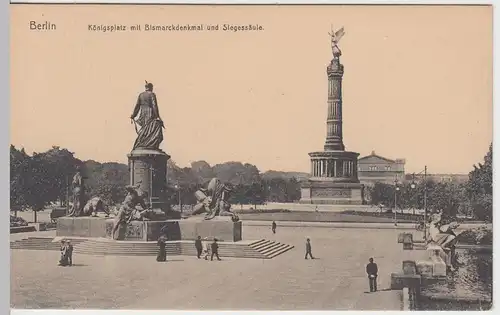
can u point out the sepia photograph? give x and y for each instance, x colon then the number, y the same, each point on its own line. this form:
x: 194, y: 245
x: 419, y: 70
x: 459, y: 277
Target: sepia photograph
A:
x: 251, y: 157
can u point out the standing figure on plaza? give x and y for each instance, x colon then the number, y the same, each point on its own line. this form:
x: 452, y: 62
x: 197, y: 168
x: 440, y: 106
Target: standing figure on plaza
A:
x: 162, y: 249
x: 128, y: 211
x: 372, y: 271
x: 214, y: 201
x: 78, y: 196
x: 147, y: 116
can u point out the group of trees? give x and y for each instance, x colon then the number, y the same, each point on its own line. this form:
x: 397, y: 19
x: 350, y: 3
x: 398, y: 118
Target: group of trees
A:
x: 473, y: 197
x: 41, y: 179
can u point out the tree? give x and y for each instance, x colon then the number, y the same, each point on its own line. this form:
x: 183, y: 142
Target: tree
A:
x: 237, y: 173
x: 106, y: 180
x: 19, y: 163
x: 480, y: 188
x: 292, y: 190
x: 202, y: 171
x: 382, y: 194
x: 39, y: 188
x: 62, y: 164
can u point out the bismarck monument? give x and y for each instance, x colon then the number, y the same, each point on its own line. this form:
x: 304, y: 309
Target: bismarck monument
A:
x: 147, y: 162
x: 145, y: 214
x: 334, y: 171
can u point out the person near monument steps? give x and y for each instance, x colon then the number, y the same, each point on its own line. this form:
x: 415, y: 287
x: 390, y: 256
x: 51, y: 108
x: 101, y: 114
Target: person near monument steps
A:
x: 215, y: 250
x: 162, y: 251
x: 69, y: 252
x: 372, y: 271
x: 309, y: 249
x: 63, y: 261
x: 206, y: 245
x: 199, y: 247
x: 273, y: 227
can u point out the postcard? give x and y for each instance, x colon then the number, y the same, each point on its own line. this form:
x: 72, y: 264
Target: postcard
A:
x: 251, y: 157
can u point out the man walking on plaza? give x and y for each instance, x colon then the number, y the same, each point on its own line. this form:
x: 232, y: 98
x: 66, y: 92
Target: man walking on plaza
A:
x: 199, y: 247
x: 273, y: 227
x: 309, y: 249
x: 70, y: 252
x: 215, y: 250
x: 372, y: 271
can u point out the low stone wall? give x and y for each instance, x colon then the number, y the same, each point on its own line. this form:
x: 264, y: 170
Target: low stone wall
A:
x: 309, y: 216
x: 21, y: 229
x: 42, y: 226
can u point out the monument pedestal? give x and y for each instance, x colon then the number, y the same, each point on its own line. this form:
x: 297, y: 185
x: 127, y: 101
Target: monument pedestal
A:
x: 81, y: 226
x: 149, y: 168
x: 334, y: 179
x: 222, y: 228
x: 327, y: 192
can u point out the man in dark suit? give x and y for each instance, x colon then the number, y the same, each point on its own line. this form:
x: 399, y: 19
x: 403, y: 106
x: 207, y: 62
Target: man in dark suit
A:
x: 372, y: 271
x: 309, y: 249
x: 273, y: 227
x: 215, y: 250
x: 199, y: 247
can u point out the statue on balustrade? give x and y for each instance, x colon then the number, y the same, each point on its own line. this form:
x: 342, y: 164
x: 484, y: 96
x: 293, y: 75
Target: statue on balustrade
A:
x: 442, y: 233
x: 214, y: 200
x: 147, y: 116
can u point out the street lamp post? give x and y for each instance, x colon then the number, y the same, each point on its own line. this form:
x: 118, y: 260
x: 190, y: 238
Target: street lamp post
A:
x: 178, y: 188
x: 413, y: 186
x: 67, y: 193
x: 151, y: 188
x: 396, y: 189
x: 425, y: 204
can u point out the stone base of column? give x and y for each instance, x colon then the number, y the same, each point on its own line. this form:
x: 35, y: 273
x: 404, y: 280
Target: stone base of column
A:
x: 329, y: 192
x: 149, y: 168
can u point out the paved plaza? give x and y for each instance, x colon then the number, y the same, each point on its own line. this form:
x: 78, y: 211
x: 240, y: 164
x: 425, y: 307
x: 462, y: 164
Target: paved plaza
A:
x: 334, y: 281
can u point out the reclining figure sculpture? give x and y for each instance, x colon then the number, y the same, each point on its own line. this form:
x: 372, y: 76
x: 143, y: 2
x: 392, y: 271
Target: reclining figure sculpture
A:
x: 214, y: 200
x: 442, y: 234
x: 128, y: 210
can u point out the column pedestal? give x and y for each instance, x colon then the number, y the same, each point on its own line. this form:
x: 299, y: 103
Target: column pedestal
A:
x: 339, y: 186
x: 149, y: 168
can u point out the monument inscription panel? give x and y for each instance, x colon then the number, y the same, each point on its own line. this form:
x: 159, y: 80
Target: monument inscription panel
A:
x: 332, y: 192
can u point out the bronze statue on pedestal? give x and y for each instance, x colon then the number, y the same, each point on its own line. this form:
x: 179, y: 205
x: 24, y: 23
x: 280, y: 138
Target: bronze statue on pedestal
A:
x: 147, y: 116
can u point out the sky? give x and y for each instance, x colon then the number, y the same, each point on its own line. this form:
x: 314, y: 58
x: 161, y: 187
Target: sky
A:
x: 418, y: 82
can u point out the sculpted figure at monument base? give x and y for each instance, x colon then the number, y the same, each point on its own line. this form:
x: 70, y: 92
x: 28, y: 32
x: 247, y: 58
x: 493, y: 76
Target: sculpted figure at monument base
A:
x: 78, y: 197
x: 93, y: 206
x: 214, y: 200
x: 128, y: 210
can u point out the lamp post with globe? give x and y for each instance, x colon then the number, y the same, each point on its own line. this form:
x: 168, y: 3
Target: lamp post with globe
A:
x: 396, y: 189
x: 178, y: 188
x: 413, y: 186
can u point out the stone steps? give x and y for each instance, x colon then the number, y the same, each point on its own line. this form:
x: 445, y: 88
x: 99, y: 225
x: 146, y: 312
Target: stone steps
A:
x: 261, y: 249
x: 270, y: 249
x: 41, y: 243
